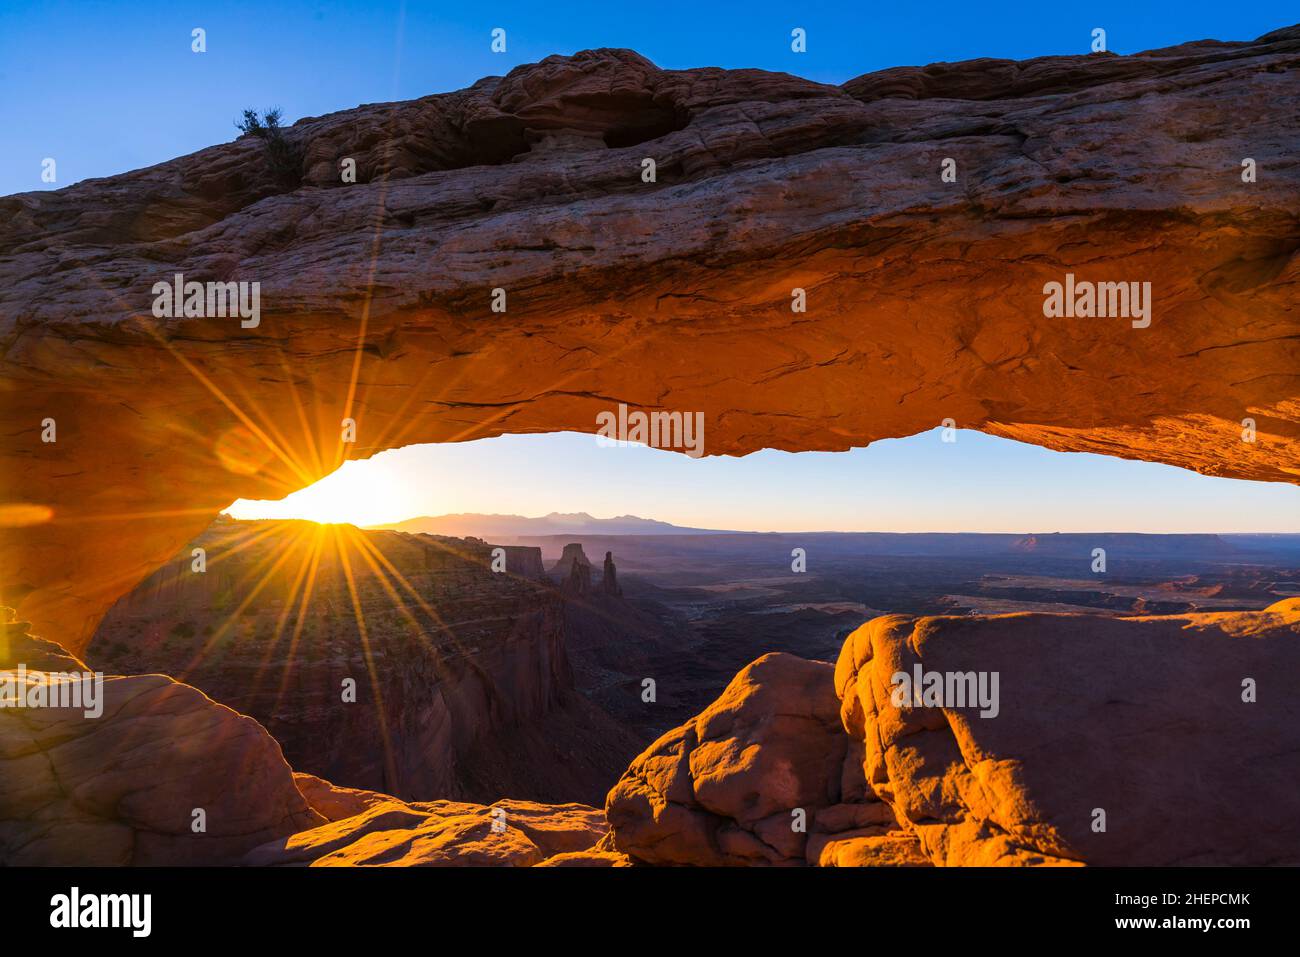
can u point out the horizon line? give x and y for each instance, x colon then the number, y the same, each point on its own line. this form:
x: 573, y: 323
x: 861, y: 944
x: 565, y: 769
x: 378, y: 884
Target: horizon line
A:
x: 698, y: 531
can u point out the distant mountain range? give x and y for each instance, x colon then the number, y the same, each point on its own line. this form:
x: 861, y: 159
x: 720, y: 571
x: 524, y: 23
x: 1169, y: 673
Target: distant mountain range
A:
x: 548, y: 530
x: 503, y: 527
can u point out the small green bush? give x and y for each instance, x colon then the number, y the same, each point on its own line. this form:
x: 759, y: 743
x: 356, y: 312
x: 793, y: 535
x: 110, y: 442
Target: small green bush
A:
x: 283, y: 157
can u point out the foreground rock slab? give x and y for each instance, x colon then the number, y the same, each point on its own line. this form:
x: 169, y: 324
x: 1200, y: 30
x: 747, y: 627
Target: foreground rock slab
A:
x: 367, y: 829
x: 1117, y: 741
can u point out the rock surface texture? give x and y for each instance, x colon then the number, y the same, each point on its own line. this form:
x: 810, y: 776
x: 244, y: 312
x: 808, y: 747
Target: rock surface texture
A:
x: 764, y: 775
x: 924, y: 297
x: 123, y: 787
x: 385, y: 832
x: 1174, y: 728
x: 1142, y: 719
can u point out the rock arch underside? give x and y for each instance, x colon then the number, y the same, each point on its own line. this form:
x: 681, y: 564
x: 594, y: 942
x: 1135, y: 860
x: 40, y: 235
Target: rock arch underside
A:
x: 924, y: 303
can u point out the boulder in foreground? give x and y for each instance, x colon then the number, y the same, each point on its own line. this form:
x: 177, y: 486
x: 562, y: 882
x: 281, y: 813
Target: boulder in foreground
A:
x: 1117, y: 741
x: 750, y: 778
x: 128, y: 785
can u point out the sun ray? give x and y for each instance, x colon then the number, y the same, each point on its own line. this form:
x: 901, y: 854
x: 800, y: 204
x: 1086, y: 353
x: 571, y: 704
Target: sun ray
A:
x: 318, y: 543
x: 390, y: 766
x: 294, y: 466
x: 401, y: 579
x: 308, y: 432
x: 282, y: 619
x: 131, y: 577
x: 369, y: 552
x: 144, y: 323
x: 280, y: 554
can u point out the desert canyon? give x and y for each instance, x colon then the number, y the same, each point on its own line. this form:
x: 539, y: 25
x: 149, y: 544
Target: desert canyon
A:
x: 924, y: 305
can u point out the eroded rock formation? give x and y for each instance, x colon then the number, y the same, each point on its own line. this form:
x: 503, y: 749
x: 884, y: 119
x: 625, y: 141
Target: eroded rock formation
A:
x: 367, y: 829
x: 1159, y: 741
x: 924, y: 297
x: 609, y: 580
x: 573, y: 572
x: 1149, y: 721
x: 525, y: 561
x: 759, y: 777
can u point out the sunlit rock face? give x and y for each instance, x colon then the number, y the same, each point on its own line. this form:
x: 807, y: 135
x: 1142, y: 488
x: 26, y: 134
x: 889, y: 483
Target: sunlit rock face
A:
x: 369, y: 829
x: 924, y: 297
x: 762, y: 777
x: 1115, y: 741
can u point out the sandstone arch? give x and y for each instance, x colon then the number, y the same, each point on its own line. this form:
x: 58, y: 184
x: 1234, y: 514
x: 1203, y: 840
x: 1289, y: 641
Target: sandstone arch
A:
x: 924, y: 297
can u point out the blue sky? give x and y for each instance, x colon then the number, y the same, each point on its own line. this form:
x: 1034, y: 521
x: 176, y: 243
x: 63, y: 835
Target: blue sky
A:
x: 107, y: 87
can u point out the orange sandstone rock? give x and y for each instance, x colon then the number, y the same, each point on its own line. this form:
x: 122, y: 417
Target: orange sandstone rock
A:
x: 729, y: 786
x: 392, y: 833
x: 1167, y: 740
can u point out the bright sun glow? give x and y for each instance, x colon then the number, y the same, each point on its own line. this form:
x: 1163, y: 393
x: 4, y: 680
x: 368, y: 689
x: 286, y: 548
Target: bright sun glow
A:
x: 354, y: 494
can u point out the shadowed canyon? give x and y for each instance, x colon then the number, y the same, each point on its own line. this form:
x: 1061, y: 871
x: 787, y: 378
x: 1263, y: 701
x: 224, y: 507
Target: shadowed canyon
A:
x: 500, y: 712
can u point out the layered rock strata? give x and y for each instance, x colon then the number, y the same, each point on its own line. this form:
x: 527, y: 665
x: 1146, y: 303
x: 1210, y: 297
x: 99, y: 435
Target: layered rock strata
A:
x: 382, y: 660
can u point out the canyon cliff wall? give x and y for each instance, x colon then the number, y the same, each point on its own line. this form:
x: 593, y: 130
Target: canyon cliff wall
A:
x: 525, y: 561
x: 443, y: 655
